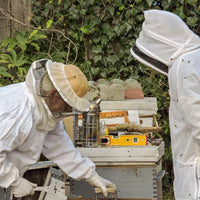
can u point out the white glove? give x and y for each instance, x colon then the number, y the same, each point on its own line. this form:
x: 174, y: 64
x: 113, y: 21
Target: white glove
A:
x: 23, y: 188
x: 99, y: 182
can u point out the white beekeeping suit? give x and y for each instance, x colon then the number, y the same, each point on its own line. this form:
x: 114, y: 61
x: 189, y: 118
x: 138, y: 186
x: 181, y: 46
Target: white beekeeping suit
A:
x: 28, y: 128
x: 167, y: 45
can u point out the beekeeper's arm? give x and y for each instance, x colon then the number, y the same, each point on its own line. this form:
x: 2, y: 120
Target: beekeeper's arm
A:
x: 8, y: 172
x: 59, y: 148
x: 11, y: 135
x: 189, y: 97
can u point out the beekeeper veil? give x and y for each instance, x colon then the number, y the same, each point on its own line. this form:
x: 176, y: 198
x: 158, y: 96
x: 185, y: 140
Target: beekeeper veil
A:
x: 68, y: 80
x: 163, y: 38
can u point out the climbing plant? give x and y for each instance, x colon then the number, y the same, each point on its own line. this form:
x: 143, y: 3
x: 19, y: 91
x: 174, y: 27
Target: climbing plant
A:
x: 97, y: 36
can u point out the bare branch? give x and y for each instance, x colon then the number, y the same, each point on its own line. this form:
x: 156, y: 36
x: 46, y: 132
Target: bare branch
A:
x: 68, y: 53
x: 58, y: 51
x: 9, y: 16
x: 49, y: 56
x: 50, y: 43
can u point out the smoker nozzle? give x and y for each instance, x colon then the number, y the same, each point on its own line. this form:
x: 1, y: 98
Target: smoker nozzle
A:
x: 98, y: 101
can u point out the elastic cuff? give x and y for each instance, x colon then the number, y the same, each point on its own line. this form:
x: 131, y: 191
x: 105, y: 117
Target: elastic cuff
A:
x: 93, y: 174
x: 16, y: 182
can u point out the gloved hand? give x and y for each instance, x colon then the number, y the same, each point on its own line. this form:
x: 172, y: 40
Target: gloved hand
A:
x: 23, y: 188
x: 99, y: 182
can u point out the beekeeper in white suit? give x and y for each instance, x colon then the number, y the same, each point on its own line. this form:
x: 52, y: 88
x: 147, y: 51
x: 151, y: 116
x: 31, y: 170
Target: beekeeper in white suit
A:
x: 167, y: 45
x: 30, y: 125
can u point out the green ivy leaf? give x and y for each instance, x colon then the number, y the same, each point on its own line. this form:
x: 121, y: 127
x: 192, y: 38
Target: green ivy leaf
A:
x: 192, y: 2
x: 49, y: 23
x: 121, y: 8
x: 95, y: 70
x: 128, y: 27
x: 111, y: 10
x: 117, y: 30
x: 108, y: 30
x: 84, y: 30
x: 139, y: 18
x: 91, y: 2
x: 150, y: 2
x: 103, y: 74
x: 192, y: 21
x: 97, y: 58
x: 113, y: 59
x: 138, y: 2
x: 97, y: 49
x: 180, y: 11
x: 105, y: 40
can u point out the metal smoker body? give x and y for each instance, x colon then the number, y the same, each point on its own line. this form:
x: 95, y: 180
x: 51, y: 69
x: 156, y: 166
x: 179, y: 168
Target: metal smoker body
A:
x: 91, y: 125
x: 86, y: 125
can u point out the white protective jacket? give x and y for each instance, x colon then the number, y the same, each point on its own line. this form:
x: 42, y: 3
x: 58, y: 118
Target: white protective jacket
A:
x: 27, y: 129
x: 166, y: 43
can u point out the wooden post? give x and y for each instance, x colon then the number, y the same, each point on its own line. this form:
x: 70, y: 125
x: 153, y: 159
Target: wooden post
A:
x: 5, y: 24
x: 19, y: 10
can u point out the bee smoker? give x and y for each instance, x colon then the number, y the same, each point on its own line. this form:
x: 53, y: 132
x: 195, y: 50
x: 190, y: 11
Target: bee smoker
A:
x: 91, y: 124
x: 86, y: 125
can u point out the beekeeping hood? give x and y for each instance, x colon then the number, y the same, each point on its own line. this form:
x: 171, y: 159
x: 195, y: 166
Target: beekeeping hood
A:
x: 163, y: 38
x: 69, y: 81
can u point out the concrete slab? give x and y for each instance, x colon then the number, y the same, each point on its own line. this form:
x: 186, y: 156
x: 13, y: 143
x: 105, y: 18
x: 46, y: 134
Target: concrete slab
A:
x: 148, y: 103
